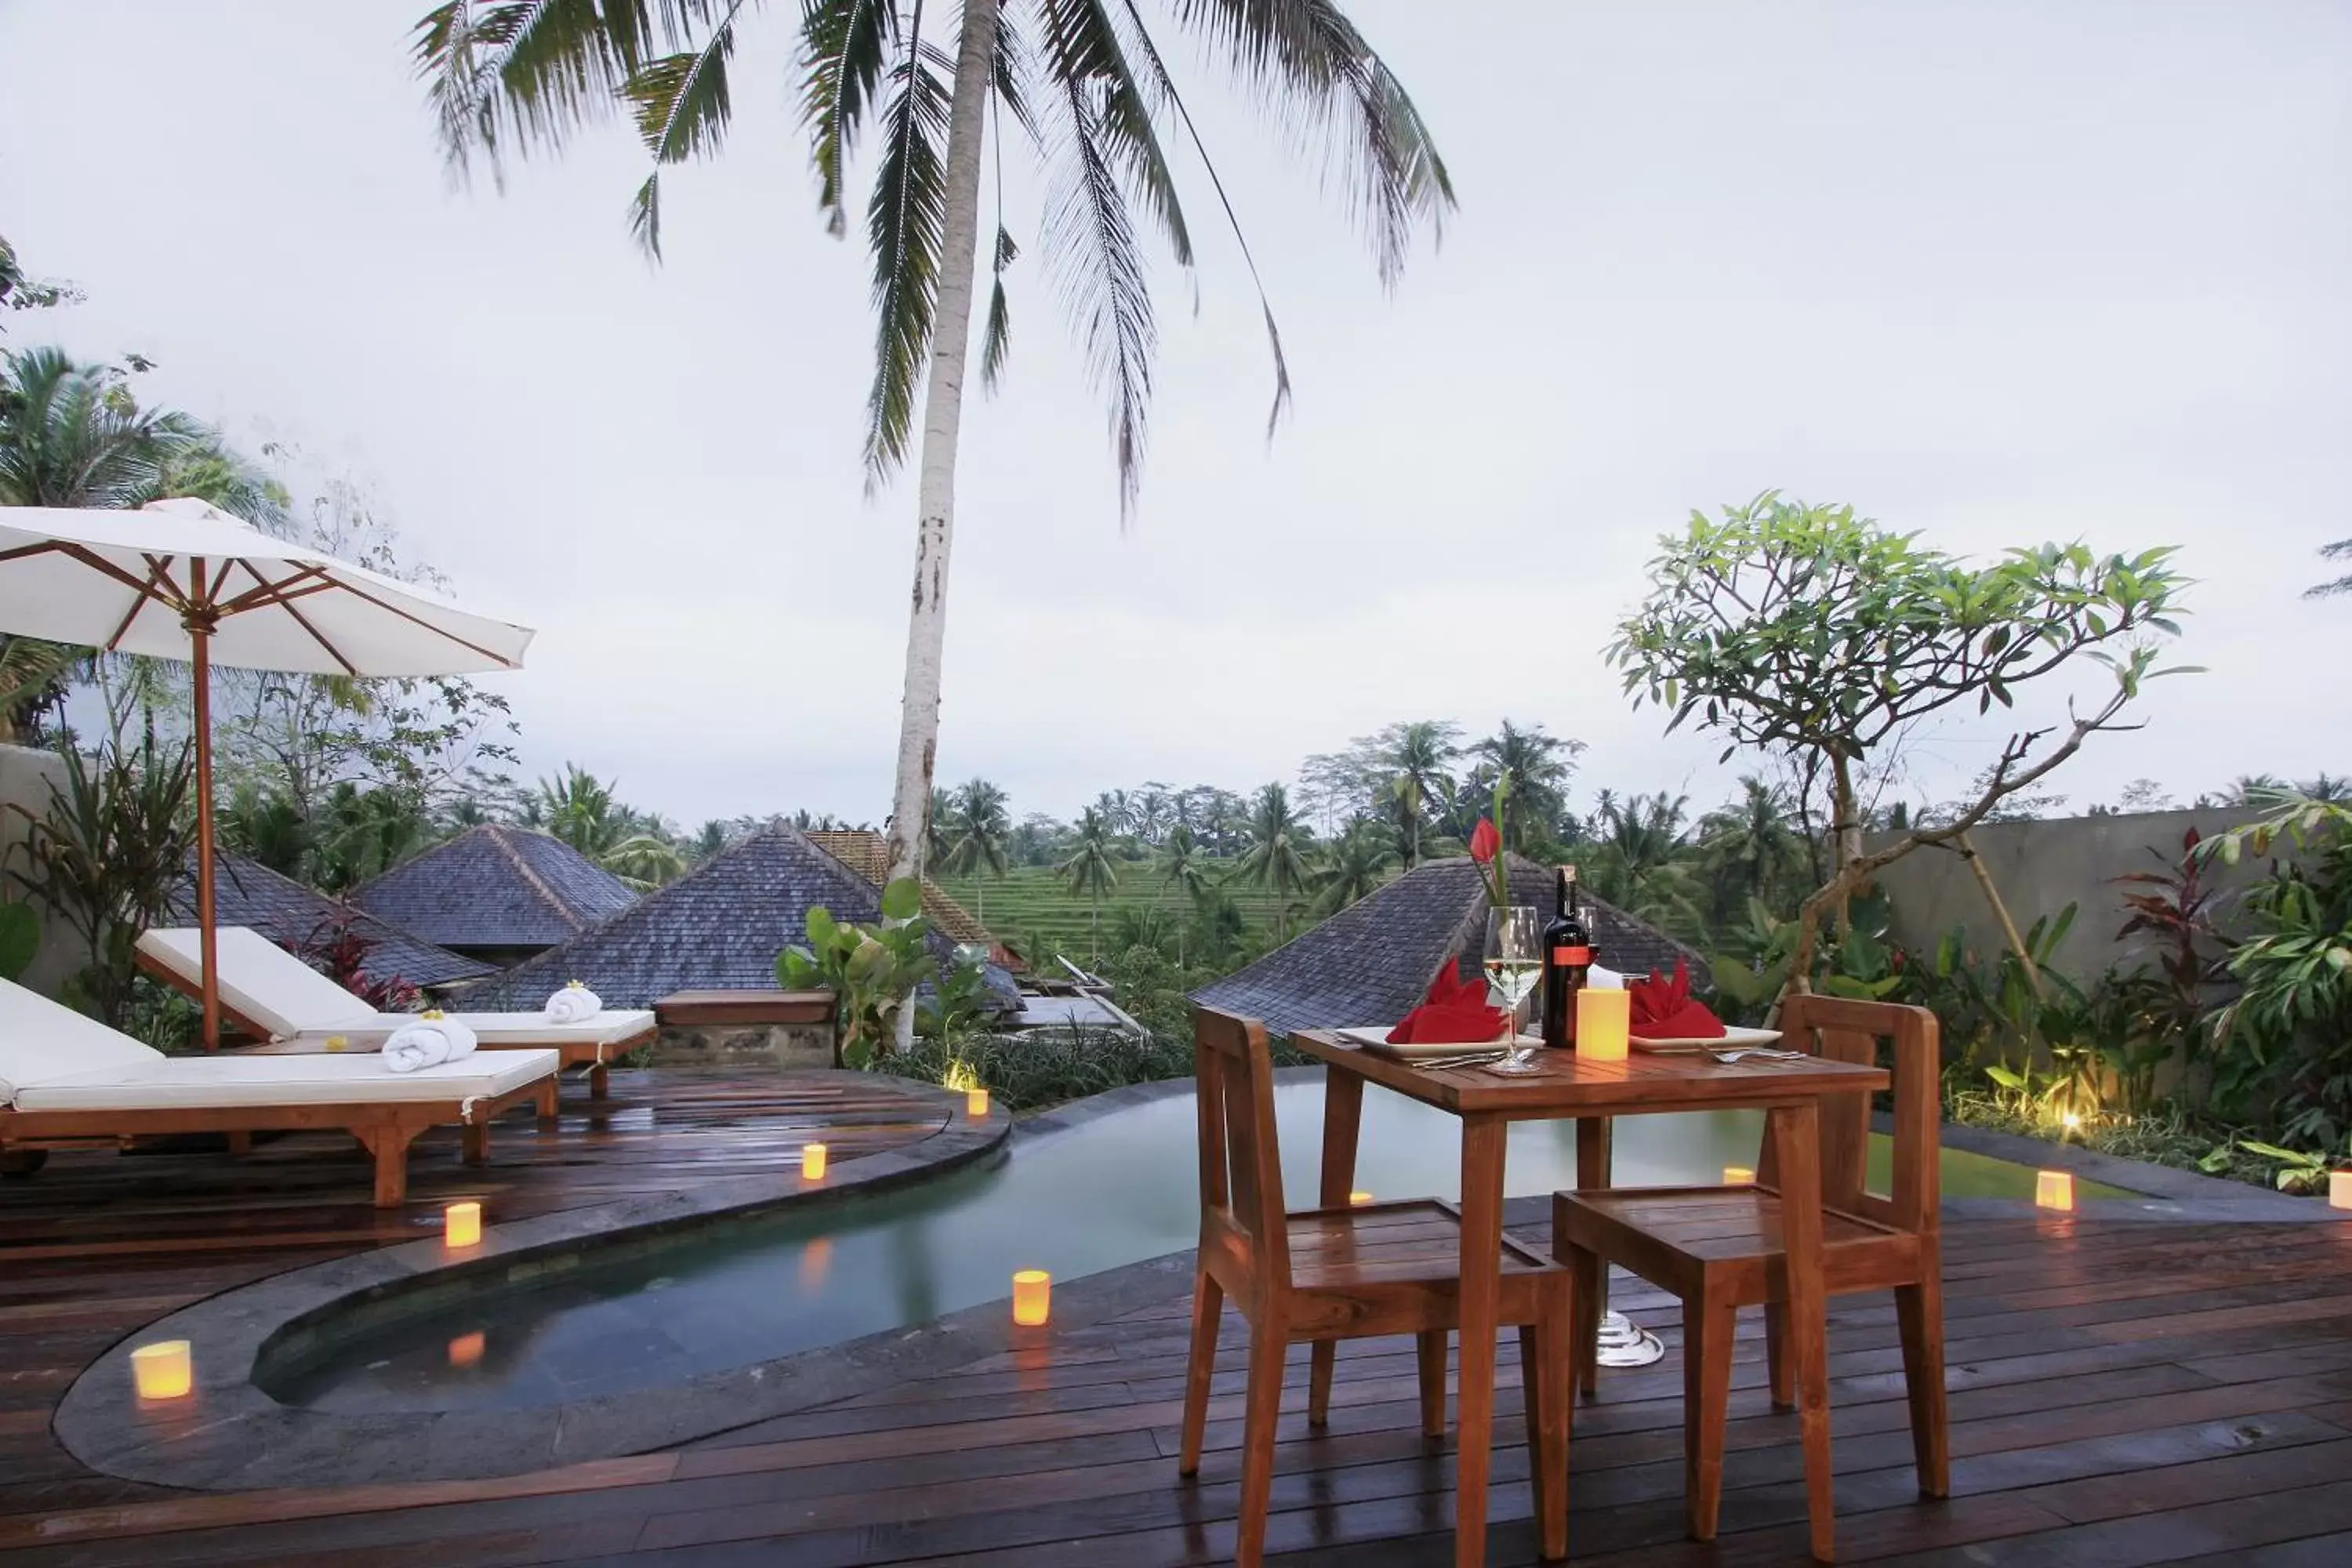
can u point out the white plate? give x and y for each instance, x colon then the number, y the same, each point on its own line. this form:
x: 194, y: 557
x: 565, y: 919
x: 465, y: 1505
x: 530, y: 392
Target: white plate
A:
x: 1732, y: 1039
x: 1376, y: 1040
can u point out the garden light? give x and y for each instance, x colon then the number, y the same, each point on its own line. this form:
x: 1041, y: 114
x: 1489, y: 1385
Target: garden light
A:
x: 1738, y: 1177
x: 975, y: 1104
x: 1033, y: 1290
x: 813, y: 1162
x: 165, y: 1370
x: 461, y: 1225
x: 2053, y: 1189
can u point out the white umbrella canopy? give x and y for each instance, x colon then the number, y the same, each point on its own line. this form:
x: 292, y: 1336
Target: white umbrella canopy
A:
x: 181, y: 579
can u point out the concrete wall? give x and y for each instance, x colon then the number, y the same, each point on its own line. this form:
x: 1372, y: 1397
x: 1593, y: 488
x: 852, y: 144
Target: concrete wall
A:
x: 27, y: 776
x: 2041, y: 868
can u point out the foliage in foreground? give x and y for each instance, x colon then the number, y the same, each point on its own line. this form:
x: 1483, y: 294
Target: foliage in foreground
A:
x: 1049, y: 1066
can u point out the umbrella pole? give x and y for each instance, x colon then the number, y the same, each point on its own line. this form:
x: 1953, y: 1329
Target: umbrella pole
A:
x: 200, y: 637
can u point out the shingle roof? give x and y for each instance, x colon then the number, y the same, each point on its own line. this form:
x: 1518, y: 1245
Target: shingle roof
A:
x: 247, y: 893
x: 718, y: 928
x: 496, y: 886
x: 1371, y: 963
x: 867, y: 853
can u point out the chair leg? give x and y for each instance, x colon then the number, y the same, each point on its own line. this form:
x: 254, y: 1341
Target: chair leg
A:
x: 477, y: 1140
x: 1262, y: 1404
x: 1586, y: 1272
x: 1543, y: 1381
x: 1707, y: 1325
x: 1431, y: 1346
x: 1322, y: 1363
x: 1776, y: 1355
x: 600, y: 1081
x: 1208, y: 1311
x: 1919, y: 1314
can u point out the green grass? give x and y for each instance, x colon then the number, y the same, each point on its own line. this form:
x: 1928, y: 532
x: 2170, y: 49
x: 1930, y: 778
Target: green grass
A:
x: 1030, y: 900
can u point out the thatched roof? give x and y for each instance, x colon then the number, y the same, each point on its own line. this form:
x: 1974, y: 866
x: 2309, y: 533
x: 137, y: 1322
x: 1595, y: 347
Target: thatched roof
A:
x: 1371, y: 963
x: 866, y: 852
x: 247, y: 893
x: 718, y: 928
x: 496, y: 886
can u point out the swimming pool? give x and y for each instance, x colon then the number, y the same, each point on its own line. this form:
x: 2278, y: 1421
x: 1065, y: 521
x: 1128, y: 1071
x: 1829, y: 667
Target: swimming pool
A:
x: 1114, y: 1190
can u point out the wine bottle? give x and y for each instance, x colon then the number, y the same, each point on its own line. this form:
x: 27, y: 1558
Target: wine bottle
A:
x: 1567, y: 954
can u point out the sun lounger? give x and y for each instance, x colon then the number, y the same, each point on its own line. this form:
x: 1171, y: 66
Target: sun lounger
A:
x: 290, y: 1008
x: 67, y: 1080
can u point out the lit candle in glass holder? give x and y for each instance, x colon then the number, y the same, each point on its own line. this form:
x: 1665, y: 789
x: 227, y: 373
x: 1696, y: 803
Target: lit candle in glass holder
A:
x: 2339, y: 1189
x: 1604, y: 1020
x: 813, y: 1162
x: 1738, y: 1177
x: 467, y: 1349
x: 1033, y: 1290
x: 1360, y: 1199
x: 165, y: 1370
x: 461, y: 1225
x: 975, y: 1104
x: 2053, y: 1189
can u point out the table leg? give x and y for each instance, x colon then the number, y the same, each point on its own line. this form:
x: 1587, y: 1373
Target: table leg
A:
x: 1592, y: 1287
x: 1343, y: 1119
x: 1795, y: 1132
x: 1481, y: 1283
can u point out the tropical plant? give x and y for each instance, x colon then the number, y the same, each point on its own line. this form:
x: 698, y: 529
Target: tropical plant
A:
x: 1749, y: 851
x: 958, y: 997
x: 1092, y: 868
x: 108, y: 855
x: 979, y: 826
x: 32, y: 675
x: 2183, y: 955
x: 337, y: 950
x: 1536, y: 768
x: 871, y: 970
x: 75, y: 434
x: 2298, y: 1171
x: 582, y: 811
x: 1085, y: 87
x: 1639, y: 862
x: 1276, y: 858
x: 1420, y: 756
x: 1811, y: 630
x: 19, y: 293
x: 1353, y: 864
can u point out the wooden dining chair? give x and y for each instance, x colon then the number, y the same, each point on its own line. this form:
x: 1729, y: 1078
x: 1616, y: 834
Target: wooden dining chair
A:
x: 1718, y: 1250
x: 1339, y: 1274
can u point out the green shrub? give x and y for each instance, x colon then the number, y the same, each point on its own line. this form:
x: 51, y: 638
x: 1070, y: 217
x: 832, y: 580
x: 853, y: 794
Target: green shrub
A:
x: 1048, y: 1066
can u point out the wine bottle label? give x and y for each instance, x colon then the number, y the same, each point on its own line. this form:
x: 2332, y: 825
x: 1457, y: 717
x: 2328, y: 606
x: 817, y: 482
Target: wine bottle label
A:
x: 1571, y: 957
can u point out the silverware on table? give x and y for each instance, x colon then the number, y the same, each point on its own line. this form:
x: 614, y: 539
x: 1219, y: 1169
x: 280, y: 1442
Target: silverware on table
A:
x: 1469, y: 1059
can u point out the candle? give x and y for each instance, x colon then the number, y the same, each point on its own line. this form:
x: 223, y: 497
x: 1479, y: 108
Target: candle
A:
x: 975, y: 1104
x: 1604, y: 1019
x: 1360, y: 1199
x: 165, y: 1370
x: 813, y: 1162
x: 1738, y: 1177
x: 466, y: 1349
x: 2053, y: 1189
x: 462, y: 1224
x: 2339, y: 1189
x: 1033, y: 1290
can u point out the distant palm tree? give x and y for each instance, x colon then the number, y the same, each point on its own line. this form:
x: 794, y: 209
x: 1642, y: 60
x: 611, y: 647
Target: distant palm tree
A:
x: 1081, y: 85
x: 2332, y: 788
x: 1182, y: 865
x: 1356, y: 863
x: 982, y: 827
x: 1420, y: 760
x: 581, y: 809
x: 712, y: 839
x: 1276, y: 858
x: 1640, y: 864
x: 1092, y: 868
x: 2339, y: 551
x: 1748, y: 846
x: 1538, y: 766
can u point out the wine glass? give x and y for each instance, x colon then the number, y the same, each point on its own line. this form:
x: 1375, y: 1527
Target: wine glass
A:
x: 1514, y: 961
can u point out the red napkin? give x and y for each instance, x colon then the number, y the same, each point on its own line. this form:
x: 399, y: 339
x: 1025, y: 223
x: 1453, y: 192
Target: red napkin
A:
x: 1454, y: 1013
x: 1663, y: 1009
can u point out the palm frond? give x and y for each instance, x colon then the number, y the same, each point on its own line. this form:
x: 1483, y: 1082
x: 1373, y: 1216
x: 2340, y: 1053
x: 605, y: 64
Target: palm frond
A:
x: 1082, y: 44
x: 905, y: 221
x: 2341, y: 550
x: 848, y: 43
x: 998, y: 340
x: 682, y: 106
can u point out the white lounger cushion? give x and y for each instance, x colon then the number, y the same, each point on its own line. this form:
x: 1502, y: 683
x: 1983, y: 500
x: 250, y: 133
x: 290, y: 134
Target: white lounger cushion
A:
x: 42, y: 1042
x: 242, y: 1082
x: 299, y: 1006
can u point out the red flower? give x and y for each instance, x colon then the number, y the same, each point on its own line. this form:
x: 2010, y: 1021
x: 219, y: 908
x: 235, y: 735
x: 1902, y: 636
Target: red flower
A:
x: 1485, y: 842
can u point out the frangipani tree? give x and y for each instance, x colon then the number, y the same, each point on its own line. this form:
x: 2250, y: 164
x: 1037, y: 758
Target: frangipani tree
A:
x: 1081, y: 87
x: 1798, y: 629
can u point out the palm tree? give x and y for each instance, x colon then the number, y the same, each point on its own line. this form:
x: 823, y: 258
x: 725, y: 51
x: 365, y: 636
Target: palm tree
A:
x: 1356, y: 864
x: 2339, y: 551
x: 1419, y: 756
x: 581, y: 810
x: 1182, y: 865
x: 73, y: 434
x: 1749, y: 848
x: 1640, y: 864
x: 1277, y: 858
x: 939, y: 826
x: 983, y: 825
x: 1538, y: 766
x: 1083, y: 86
x: 1092, y: 868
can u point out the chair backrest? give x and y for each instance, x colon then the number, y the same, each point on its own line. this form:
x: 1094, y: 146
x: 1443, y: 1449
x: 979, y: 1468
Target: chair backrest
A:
x: 1844, y: 1030
x: 43, y: 1042
x: 258, y: 981
x: 1242, y: 1210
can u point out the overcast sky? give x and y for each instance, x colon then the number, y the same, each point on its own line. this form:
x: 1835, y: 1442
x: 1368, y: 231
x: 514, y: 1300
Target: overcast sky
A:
x: 1996, y: 272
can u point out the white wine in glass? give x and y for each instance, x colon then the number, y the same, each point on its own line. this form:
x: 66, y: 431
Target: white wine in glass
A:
x: 1514, y: 962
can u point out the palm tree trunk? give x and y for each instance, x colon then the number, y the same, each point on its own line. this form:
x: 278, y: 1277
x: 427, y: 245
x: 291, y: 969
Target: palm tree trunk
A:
x: 926, y: 626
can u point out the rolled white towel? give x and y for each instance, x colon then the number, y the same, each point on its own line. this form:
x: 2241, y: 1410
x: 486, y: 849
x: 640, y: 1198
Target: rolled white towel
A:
x: 575, y: 1004
x: 428, y: 1042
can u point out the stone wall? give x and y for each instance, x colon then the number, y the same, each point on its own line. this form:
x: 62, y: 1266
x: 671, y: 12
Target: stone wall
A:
x: 731, y: 1045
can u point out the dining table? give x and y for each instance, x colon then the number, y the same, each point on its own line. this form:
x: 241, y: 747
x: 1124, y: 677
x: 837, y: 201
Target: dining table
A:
x: 1590, y: 1091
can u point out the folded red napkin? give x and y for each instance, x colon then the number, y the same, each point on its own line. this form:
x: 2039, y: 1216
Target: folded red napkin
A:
x: 1662, y: 1009
x: 1454, y: 1012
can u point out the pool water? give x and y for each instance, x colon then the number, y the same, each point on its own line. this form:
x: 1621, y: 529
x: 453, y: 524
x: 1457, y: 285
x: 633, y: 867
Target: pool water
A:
x: 1113, y: 1191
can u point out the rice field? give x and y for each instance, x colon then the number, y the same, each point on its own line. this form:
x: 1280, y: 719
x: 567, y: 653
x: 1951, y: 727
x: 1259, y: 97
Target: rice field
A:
x: 1031, y: 902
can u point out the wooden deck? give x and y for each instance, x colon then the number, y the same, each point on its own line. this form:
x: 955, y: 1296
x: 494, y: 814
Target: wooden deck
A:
x: 2124, y: 1392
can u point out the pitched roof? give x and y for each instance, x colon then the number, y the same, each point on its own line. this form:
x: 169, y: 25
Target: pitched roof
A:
x: 718, y: 928
x: 1371, y: 963
x: 867, y: 853
x: 496, y: 886
x: 247, y: 893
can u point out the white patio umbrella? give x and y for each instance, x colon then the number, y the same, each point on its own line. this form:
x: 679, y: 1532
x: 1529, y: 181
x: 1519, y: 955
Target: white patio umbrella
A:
x: 181, y: 579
